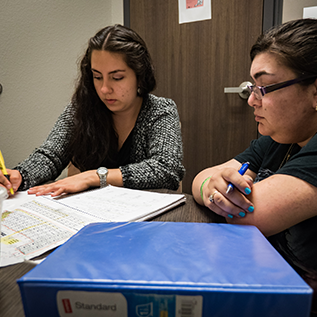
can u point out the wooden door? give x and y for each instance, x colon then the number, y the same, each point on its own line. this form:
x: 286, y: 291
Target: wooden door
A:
x: 194, y: 63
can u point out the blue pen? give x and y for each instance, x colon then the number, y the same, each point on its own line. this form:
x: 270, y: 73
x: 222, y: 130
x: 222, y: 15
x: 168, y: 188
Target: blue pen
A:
x: 241, y: 171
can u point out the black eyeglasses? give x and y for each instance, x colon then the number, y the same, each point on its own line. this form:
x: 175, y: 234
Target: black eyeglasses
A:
x: 260, y: 91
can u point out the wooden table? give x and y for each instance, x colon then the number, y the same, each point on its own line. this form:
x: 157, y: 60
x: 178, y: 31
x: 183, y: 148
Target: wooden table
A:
x: 10, y: 300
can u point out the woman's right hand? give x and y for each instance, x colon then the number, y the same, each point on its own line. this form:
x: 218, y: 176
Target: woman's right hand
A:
x: 15, y: 180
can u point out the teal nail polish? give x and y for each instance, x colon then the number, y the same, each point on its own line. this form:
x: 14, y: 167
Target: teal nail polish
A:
x: 230, y: 216
x: 241, y: 214
x: 247, y: 190
x: 251, y: 209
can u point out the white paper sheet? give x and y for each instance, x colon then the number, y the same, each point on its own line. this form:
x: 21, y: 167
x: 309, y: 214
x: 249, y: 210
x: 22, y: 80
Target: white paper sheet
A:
x: 194, y: 10
x: 310, y: 12
x: 33, y: 225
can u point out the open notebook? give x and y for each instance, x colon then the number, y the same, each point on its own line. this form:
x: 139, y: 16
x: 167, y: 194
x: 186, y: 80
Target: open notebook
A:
x: 33, y: 225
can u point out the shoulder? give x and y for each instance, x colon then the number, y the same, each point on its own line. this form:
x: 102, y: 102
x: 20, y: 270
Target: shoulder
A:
x: 303, y: 164
x: 158, y: 107
x: 307, y: 153
x: 160, y: 100
x: 159, y: 103
x: 69, y: 111
x: 311, y: 146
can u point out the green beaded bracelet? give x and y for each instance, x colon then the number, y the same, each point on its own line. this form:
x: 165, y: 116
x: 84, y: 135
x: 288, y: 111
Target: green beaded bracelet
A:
x: 201, y: 187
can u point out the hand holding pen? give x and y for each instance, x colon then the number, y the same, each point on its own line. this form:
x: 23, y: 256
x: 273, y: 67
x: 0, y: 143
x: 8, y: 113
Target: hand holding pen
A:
x: 244, y: 167
x: 241, y: 171
x: 234, y: 203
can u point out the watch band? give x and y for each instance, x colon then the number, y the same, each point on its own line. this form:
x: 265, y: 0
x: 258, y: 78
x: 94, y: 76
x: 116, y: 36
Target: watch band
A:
x: 103, y: 182
x: 102, y: 173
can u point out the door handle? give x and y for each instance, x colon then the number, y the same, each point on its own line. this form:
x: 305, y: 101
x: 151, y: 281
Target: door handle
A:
x: 1, y: 88
x: 242, y: 90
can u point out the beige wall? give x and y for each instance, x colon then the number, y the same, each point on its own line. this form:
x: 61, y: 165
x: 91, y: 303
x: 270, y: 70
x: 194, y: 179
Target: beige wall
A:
x: 293, y: 9
x: 41, y: 42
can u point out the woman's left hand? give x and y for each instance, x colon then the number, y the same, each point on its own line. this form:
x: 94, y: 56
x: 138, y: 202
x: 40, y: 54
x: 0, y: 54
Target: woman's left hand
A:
x: 72, y: 184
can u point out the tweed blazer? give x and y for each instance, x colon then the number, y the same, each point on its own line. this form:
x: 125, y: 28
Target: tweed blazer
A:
x: 156, y: 151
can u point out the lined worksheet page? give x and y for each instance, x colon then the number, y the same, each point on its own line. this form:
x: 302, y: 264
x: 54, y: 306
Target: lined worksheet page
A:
x: 33, y: 225
x: 120, y: 204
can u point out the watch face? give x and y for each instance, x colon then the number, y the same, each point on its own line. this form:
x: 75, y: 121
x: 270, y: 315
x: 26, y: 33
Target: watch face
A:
x: 102, y: 171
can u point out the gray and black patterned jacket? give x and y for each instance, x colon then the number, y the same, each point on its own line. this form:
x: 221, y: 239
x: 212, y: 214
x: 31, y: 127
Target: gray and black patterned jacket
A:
x: 156, y: 151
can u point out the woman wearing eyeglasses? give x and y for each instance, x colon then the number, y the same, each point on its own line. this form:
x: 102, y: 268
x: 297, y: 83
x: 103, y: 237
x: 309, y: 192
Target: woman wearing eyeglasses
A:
x: 278, y: 192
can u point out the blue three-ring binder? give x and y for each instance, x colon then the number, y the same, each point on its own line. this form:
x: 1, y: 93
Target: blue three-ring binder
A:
x: 165, y: 270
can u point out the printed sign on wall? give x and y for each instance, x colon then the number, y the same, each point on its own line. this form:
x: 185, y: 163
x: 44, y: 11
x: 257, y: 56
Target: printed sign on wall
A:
x: 194, y: 10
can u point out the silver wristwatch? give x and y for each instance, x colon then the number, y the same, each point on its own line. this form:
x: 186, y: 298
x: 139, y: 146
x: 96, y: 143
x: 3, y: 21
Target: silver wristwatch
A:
x: 102, y: 173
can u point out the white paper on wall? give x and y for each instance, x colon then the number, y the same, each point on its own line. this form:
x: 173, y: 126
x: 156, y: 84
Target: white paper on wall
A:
x: 194, y: 10
x: 310, y: 12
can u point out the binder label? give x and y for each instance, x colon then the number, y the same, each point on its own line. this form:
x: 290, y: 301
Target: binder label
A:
x: 82, y: 304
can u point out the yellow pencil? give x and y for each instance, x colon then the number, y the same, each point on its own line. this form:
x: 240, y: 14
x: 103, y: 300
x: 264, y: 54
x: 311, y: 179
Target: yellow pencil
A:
x: 4, y: 171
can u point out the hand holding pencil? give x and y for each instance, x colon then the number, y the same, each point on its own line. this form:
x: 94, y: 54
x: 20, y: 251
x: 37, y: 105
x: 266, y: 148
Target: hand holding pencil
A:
x: 4, y: 172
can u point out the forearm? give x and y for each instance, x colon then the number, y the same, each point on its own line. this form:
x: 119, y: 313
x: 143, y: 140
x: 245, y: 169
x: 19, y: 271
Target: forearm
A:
x: 39, y: 168
x: 114, y: 177
x: 199, y: 182
x: 76, y: 183
x: 152, y: 174
x: 91, y: 178
x: 280, y: 202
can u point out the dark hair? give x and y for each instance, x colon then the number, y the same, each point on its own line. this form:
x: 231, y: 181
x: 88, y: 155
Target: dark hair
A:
x: 94, y: 136
x: 295, y: 45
